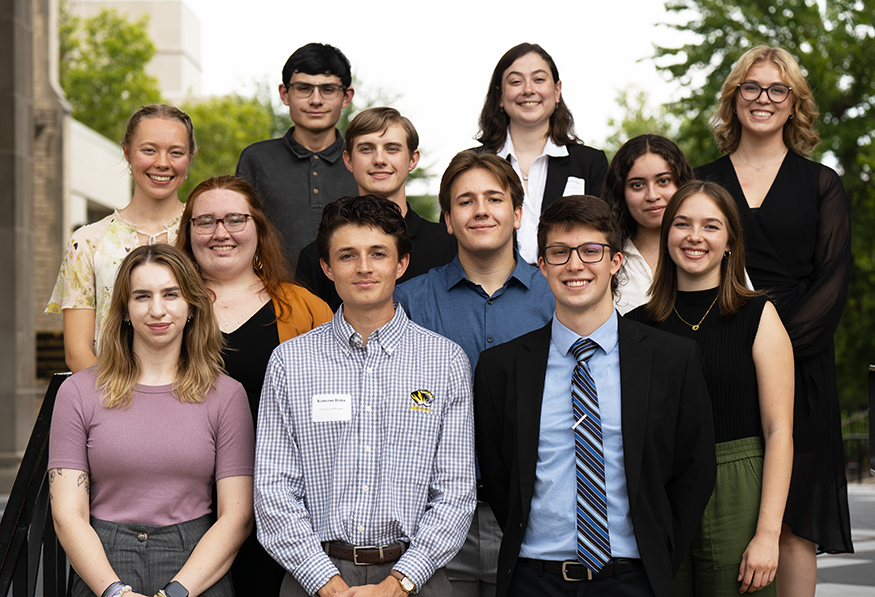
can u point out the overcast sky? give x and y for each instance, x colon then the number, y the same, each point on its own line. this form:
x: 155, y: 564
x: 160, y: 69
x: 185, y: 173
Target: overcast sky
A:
x: 438, y: 57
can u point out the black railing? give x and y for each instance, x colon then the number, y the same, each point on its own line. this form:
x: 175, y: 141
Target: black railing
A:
x: 26, y: 530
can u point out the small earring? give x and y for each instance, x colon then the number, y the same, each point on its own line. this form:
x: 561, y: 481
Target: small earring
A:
x: 791, y: 116
x: 190, y: 317
x: 726, y: 254
x: 126, y: 320
x: 256, y: 263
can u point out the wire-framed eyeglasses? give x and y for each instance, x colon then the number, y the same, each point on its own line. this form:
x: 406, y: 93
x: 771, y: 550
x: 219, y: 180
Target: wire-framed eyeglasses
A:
x: 207, y: 224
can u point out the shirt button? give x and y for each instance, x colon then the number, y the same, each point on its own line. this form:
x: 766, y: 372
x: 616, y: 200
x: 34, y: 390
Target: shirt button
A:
x: 361, y: 529
x: 369, y: 370
x: 489, y: 302
x: 365, y: 488
x: 367, y: 409
x: 316, y: 191
x: 315, y: 157
x: 142, y: 537
x: 489, y: 339
x: 315, y: 173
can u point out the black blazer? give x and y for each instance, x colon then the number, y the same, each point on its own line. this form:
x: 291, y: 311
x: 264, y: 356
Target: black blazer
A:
x: 582, y: 161
x: 668, y: 441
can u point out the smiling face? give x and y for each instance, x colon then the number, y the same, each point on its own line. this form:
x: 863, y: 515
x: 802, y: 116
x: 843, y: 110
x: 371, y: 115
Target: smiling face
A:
x: 223, y: 255
x: 528, y: 93
x: 482, y: 216
x: 364, y: 266
x: 582, y: 290
x: 696, y: 241
x: 649, y: 185
x: 380, y: 163
x: 156, y: 310
x: 159, y: 157
x: 315, y: 114
x: 763, y: 117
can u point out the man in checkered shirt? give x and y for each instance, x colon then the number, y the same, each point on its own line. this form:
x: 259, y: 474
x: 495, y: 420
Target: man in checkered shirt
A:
x: 365, y: 451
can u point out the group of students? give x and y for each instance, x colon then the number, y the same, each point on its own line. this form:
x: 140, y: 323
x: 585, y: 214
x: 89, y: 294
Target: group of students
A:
x: 364, y: 451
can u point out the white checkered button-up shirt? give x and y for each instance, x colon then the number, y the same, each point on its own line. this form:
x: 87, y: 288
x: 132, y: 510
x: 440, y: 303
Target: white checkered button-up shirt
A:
x: 401, y: 469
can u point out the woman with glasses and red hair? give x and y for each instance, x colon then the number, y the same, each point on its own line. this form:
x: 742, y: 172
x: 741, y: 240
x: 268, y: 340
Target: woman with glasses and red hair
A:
x: 240, y: 257
x: 796, y: 220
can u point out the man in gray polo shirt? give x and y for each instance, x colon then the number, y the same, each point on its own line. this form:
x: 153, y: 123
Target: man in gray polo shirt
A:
x: 297, y: 175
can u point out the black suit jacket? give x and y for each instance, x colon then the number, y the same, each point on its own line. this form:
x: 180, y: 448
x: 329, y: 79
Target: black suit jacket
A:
x: 668, y: 441
x: 582, y: 161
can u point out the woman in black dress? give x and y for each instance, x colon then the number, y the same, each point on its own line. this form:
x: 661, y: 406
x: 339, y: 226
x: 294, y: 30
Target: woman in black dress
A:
x: 239, y: 253
x: 796, y: 220
x: 525, y: 120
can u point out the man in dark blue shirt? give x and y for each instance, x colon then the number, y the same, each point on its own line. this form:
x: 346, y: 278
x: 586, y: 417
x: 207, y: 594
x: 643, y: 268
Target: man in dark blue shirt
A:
x: 487, y: 295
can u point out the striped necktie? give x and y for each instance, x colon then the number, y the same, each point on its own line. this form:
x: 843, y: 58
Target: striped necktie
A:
x: 593, y: 542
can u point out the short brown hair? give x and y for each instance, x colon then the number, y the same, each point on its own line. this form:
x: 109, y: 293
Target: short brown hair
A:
x: 471, y: 160
x: 372, y: 211
x: 799, y: 134
x: 269, y: 263
x: 378, y: 120
x: 582, y: 210
x: 733, y: 291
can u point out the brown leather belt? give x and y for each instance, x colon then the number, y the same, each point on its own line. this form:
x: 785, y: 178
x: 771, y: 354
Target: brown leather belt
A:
x: 363, y: 555
x: 574, y: 571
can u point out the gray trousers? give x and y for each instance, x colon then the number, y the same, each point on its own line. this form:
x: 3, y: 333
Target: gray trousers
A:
x: 147, y: 557
x: 474, y: 569
x: 373, y: 574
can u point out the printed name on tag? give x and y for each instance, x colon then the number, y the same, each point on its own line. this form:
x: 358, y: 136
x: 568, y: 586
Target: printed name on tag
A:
x: 332, y: 407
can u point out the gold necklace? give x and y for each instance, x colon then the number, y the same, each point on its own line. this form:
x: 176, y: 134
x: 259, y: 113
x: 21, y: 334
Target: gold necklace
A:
x: 696, y: 327
x: 781, y: 157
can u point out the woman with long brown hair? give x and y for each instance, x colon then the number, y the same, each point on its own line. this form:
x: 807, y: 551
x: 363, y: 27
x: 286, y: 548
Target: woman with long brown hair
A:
x: 139, y: 439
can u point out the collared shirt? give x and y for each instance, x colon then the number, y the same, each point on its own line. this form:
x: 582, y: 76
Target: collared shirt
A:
x: 295, y: 184
x: 446, y: 302
x: 527, y: 235
x: 392, y: 460
x: 635, y: 288
x: 551, y: 533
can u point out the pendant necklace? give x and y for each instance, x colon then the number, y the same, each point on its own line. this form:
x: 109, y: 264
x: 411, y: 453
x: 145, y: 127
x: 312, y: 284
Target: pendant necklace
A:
x: 696, y: 327
x: 781, y: 157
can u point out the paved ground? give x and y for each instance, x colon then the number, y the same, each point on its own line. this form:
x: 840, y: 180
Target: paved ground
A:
x: 853, y: 575
x: 843, y: 575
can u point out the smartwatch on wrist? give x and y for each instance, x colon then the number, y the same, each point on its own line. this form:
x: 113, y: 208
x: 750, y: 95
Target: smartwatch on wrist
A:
x: 406, y: 584
x: 175, y: 589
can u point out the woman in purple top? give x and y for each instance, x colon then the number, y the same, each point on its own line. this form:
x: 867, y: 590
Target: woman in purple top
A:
x: 139, y: 438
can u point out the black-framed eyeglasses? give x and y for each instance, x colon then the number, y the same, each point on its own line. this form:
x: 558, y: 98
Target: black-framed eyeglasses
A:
x: 751, y: 92
x: 207, y: 224
x: 305, y: 90
x: 588, y: 253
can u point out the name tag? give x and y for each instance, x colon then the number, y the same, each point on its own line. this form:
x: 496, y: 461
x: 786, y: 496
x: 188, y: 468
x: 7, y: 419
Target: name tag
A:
x: 574, y: 186
x: 332, y: 407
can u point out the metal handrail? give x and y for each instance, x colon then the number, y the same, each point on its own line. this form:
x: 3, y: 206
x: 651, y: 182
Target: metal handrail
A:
x: 26, y: 530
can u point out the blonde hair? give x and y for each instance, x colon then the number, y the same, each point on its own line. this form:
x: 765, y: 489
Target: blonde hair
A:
x: 200, y: 358
x: 799, y: 134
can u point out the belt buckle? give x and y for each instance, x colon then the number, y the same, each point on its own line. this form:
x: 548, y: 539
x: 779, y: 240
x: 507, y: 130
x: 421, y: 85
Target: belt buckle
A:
x: 565, y: 572
x: 355, y: 554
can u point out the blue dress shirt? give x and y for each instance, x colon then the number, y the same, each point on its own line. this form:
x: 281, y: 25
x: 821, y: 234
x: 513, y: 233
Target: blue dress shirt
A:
x: 445, y: 301
x: 551, y: 533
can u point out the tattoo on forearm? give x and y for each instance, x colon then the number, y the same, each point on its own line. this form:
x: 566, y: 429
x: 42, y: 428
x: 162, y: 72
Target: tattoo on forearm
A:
x: 51, y: 476
x: 82, y: 481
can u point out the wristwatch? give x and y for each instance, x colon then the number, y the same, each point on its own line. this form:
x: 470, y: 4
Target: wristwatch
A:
x: 175, y: 589
x: 406, y: 584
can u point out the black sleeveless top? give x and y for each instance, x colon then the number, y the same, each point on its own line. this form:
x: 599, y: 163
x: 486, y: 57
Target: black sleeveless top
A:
x: 727, y: 357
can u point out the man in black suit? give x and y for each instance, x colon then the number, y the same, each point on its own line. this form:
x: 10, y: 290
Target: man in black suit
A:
x: 602, y: 479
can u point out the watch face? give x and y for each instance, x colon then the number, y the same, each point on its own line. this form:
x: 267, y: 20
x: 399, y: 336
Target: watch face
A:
x: 407, y: 585
x: 175, y: 589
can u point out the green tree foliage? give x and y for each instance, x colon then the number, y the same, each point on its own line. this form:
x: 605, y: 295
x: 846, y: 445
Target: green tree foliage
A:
x: 223, y: 126
x: 103, y: 69
x: 834, y: 41
x: 639, y: 119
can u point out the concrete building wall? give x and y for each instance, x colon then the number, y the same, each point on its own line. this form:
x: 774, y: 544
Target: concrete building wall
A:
x: 176, y: 33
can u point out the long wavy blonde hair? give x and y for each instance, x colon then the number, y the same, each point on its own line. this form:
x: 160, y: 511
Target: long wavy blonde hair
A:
x: 799, y: 133
x: 200, y: 357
